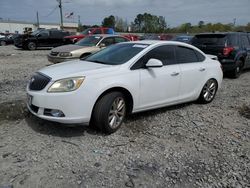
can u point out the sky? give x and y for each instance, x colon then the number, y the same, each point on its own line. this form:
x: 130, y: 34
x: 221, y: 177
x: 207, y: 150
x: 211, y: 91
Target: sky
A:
x: 92, y: 12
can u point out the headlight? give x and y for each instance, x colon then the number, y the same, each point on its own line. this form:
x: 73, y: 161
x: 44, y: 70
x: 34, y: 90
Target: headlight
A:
x: 65, y: 54
x: 66, y: 85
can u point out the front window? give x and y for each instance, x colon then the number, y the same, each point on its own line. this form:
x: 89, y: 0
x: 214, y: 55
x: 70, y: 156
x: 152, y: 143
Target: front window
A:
x: 89, y: 41
x: 116, y: 54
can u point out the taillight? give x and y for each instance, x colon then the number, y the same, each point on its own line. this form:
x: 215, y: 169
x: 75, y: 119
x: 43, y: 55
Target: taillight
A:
x: 227, y: 50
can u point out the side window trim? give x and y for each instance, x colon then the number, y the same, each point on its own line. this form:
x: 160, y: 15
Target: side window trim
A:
x: 142, y: 57
x: 194, y: 51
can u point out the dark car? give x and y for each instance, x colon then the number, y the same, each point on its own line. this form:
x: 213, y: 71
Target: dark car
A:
x: 232, y: 50
x: 8, y: 39
x: 183, y: 38
x: 41, y: 38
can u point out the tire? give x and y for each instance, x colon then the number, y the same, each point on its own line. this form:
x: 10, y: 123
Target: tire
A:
x: 237, y: 71
x: 31, y: 46
x: 3, y: 43
x: 109, y: 112
x: 208, y: 91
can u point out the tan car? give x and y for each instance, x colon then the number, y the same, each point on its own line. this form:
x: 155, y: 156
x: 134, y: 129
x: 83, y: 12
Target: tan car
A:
x: 83, y: 48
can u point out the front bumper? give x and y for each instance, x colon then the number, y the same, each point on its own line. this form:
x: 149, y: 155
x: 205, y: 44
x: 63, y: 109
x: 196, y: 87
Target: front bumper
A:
x: 56, y: 59
x: 76, y: 108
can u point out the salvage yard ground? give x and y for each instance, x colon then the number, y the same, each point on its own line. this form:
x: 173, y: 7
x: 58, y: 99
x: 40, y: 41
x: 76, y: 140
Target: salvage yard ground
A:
x: 188, y: 145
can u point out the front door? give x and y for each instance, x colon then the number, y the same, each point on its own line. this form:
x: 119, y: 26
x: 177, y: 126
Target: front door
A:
x: 159, y: 86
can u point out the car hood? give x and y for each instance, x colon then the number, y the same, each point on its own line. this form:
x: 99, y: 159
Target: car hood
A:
x: 67, y: 48
x: 76, y: 68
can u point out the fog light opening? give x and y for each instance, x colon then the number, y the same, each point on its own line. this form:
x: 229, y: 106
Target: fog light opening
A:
x: 54, y: 113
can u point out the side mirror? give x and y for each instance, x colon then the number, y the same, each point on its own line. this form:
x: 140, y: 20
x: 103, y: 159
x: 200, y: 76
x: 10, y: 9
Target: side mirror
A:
x: 102, y: 45
x: 152, y: 63
x: 39, y: 35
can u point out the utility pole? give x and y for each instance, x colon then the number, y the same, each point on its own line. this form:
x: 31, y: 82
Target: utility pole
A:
x: 60, y: 6
x: 234, y: 22
x: 79, y: 20
x: 37, y: 20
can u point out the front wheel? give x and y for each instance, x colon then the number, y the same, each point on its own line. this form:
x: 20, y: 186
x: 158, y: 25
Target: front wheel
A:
x: 3, y: 43
x: 208, y: 91
x: 31, y: 46
x: 109, y: 112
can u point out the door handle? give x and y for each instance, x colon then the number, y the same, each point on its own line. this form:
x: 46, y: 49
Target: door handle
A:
x: 175, y: 74
x: 202, y: 69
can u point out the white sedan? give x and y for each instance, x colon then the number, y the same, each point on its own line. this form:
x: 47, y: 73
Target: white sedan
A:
x: 121, y: 79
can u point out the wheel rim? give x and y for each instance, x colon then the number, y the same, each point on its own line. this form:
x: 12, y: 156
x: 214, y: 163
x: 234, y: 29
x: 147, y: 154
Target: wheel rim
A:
x: 3, y: 43
x: 209, y: 90
x: 117, y: 113
x: 32, y: 46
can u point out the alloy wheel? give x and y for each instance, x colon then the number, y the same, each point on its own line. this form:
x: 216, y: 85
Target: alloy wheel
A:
x: 209, y: 90
x: 117, y: 113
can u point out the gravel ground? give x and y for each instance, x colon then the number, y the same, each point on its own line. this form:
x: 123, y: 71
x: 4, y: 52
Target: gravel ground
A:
x: 188, y: 145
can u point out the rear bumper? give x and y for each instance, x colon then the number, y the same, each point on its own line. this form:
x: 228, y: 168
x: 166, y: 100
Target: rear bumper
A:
x: 228, y: 65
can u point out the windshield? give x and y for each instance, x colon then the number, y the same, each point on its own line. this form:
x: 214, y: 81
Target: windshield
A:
x: 89, y: 41
x: 86, y: 31
x: 36, y: 32
x: 116, y: 54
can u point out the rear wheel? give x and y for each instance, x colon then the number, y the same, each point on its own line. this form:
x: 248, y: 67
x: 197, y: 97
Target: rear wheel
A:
x: 109, y: 112
x: 3, y: 43
x: 237, y: 71
x: 31, y: 46
x: 208, y: 91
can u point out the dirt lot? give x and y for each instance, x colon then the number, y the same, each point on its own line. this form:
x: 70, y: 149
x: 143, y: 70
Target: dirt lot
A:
x: 188, y: 145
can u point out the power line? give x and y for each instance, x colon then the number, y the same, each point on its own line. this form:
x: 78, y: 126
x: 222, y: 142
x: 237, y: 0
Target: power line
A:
x: 51, y: 12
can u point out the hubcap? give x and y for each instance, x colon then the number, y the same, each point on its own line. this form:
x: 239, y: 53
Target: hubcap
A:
x: 237, y: 70
x: 209, y: 90
x: 117, y: 112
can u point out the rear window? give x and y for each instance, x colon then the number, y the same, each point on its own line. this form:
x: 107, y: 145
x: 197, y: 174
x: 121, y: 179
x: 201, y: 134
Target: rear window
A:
x: 216, y: 39
x: 213, y: 39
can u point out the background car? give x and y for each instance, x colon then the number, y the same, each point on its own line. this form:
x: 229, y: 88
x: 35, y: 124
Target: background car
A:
x: 41, y: 38
x: 83, y: 48
x: 8, y: 39
x: 87, y: 32
x: 183, y: 38
x: 232, y: 49
x: 121, y: 79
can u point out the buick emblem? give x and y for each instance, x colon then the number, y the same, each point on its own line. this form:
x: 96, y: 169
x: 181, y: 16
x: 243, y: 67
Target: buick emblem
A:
x: 32, y: 80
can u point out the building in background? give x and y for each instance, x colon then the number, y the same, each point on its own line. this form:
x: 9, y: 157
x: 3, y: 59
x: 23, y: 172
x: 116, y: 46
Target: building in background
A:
x: 11, y: 26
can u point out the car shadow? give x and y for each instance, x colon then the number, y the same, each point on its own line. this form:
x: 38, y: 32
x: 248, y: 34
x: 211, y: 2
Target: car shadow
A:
x: 74, y: 130
x: 145, y: 114
x: 38, y: 49
x: 57, y: 129
x: 227, y: 75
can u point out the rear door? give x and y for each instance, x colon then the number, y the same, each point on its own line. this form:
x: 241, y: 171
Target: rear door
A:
x: 43, y: 38
x: 245, y: 44
x: 193, y: 72
x: 56, y: 38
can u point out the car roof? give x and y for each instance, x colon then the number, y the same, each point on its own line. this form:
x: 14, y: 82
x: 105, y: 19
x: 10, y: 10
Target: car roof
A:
x: 219, y: 33
x: 107, y: 35
x: 155, y: 42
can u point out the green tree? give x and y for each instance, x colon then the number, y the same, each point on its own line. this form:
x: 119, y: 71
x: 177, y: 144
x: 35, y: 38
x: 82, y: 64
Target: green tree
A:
x: 200, y: 24
x: 109, y: 21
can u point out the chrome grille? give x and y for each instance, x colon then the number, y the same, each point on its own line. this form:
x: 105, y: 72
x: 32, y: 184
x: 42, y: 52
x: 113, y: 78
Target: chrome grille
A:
x: 38, y: 82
